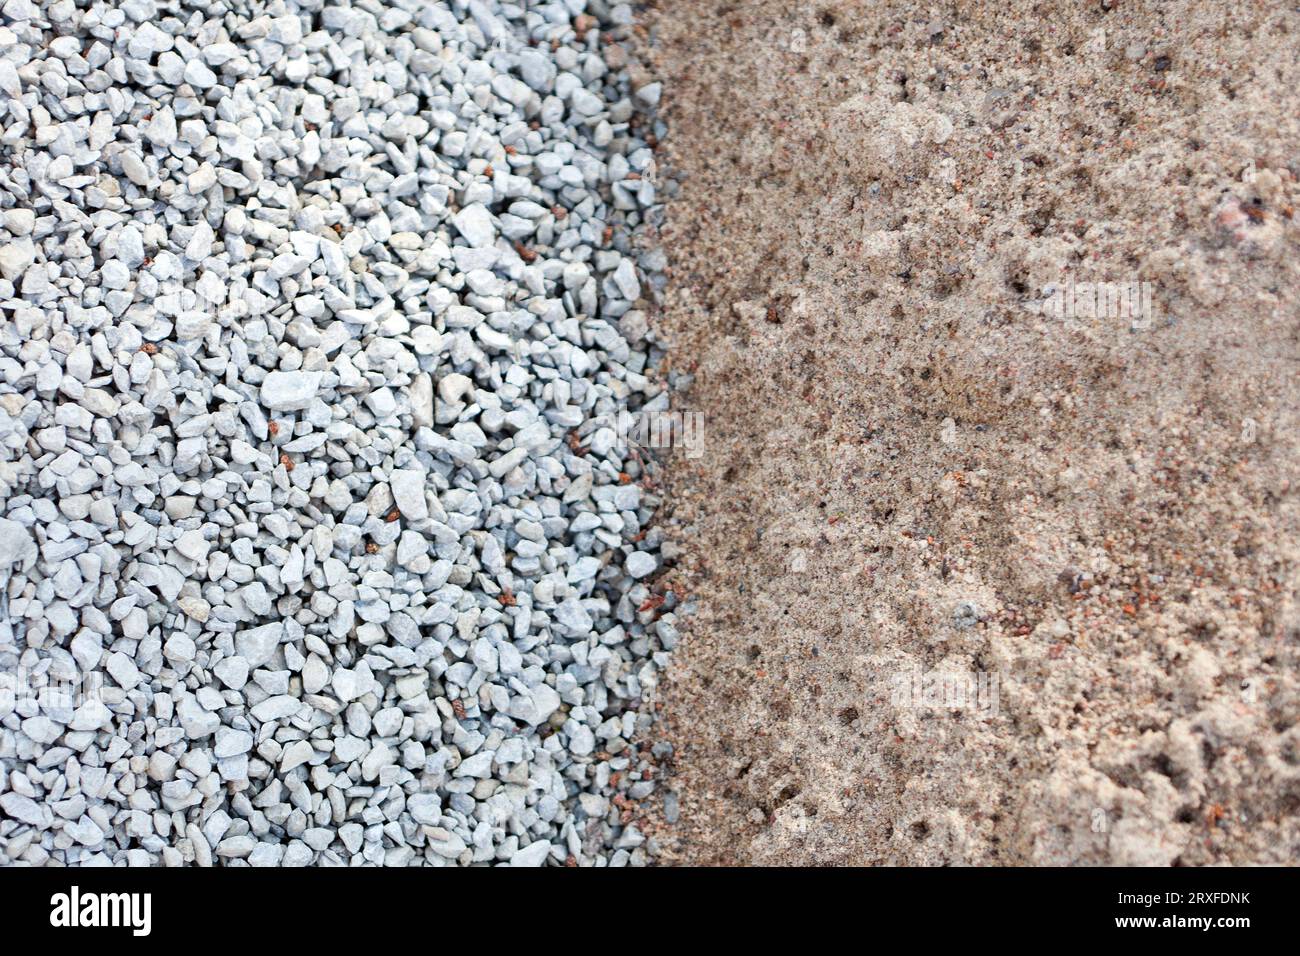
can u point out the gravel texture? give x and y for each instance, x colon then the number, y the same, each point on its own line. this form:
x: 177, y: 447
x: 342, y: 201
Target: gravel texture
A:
x: 910, y: 467
x: 317, y: 544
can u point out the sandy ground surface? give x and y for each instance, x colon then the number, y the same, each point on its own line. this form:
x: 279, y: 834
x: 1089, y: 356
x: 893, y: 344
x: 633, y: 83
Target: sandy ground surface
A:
x: 911, y: 469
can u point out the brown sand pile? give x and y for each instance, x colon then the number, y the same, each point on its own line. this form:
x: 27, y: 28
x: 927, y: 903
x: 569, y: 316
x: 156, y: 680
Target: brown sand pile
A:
x: 909, y: 469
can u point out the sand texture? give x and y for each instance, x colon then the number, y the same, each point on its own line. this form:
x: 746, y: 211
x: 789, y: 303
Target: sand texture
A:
x: 912, y: 467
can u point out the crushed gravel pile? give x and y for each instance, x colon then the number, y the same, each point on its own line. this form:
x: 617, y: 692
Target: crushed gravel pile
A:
x: 319, y: 542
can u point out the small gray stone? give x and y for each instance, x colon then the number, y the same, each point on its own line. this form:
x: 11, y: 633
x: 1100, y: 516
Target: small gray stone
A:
x: 639, y: 564
x: 16, y: 544
x: 534, y: 854
x: 232, y: 671
x: 290, y: 391
x: 474, y: 222
x: 258, y: 645
x: 408, y: 493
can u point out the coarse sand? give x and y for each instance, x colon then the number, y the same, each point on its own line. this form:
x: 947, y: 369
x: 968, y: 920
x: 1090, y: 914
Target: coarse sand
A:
x: 912, y: 468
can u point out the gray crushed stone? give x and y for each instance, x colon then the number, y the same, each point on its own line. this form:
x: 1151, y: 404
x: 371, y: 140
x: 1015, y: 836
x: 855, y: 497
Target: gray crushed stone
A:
x: 316, y: 544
